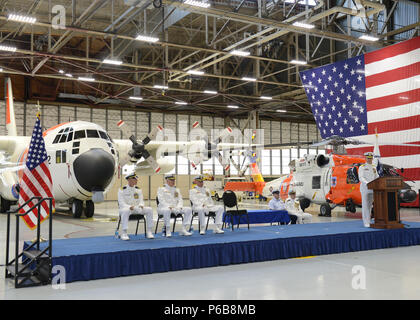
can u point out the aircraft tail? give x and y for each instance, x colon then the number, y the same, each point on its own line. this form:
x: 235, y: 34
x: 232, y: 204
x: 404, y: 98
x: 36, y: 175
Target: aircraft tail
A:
x: 255, y: 171
x: 10, y: 110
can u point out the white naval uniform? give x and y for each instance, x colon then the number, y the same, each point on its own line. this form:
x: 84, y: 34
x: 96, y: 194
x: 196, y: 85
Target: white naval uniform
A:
x: 203, y: 203
x: 133, y: 197
x: 293, y: 208
x: 276, y: 204
x: 367, y: 173
x: 170, y: 201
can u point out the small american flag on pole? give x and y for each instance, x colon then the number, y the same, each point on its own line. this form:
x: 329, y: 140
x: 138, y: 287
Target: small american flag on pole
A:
x: 36, y: 179
x: 376, y: 94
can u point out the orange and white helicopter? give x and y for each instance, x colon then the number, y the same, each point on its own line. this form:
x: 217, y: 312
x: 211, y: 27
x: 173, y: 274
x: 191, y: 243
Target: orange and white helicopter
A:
x: 328, y: 180
x: 84, y: 161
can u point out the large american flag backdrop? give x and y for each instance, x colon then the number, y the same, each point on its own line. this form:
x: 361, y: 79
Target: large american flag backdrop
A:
x: 379, y: 90
x: 36, y: 179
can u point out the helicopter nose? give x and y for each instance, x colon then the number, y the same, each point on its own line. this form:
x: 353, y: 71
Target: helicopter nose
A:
x: 94, y: 169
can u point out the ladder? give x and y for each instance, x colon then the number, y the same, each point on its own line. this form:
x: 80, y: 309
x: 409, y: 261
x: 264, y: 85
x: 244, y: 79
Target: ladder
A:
x: 36, y: 263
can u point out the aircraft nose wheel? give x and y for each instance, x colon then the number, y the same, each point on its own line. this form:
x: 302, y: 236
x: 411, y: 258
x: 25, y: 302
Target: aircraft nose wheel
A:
x: 77, y: 208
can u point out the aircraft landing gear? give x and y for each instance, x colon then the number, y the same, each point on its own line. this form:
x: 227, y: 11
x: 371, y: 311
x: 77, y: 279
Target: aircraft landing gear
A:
x: 4, y: 205
x: 350, y: 206
x: 304, y: 203
x: 90, y: 209
x: 77, y: 208
x: 325, y: 210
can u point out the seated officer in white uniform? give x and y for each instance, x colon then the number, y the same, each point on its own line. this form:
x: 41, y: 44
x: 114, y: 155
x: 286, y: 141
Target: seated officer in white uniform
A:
x: 293, y: 208
x: 203, y: 203
x: 367, y: 173
x: 170, y: 201
x: 130, y: 200
x: 276, y: 203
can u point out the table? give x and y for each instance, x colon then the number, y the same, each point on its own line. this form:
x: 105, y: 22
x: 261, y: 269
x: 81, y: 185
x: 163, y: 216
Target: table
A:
x: 261, y: 216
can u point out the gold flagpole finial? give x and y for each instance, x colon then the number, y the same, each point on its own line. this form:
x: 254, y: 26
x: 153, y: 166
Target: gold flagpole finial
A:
x: 39, y: 109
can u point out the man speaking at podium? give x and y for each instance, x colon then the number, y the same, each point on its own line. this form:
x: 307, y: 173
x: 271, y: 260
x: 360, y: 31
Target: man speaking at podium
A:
x: 367, y: 173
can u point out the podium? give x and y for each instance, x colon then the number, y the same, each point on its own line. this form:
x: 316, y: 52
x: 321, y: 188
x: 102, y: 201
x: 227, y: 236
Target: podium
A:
x: 385, y: 202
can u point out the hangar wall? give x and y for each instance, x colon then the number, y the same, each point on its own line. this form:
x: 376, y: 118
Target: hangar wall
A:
x: 273, y: 162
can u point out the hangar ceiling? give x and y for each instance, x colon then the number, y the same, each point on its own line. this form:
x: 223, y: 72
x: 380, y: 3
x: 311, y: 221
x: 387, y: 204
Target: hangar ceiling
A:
x: 57, y: 60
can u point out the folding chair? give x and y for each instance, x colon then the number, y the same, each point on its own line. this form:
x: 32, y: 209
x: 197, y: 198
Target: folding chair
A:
x: 230, y: 201
x: 173, y: 216
x: 211, y: 214
x: 135, y: 216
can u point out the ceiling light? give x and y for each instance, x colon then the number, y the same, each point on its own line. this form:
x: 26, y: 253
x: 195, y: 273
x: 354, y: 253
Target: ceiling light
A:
x: 135, y: 98
x: 181, y: 103
x: 303, y: 25
x: 281, y: 110
x: 368, y: 38
x: 240, y: 53
x: 61, y: 71
x: 7, y: 48
x: 210, y: 91
x: 69, y: 75
x: 1, y: 69
x: 111, y: 61
x: 20, y: 18
x: 195, y: 3
x: 232, y: 107
x: 86, y: 79
x: 158, y: 86
x: 196, y: 72
x: 147, y: 39
x: 248, y: 79
x: 298, y: 62
x: 266, y: 98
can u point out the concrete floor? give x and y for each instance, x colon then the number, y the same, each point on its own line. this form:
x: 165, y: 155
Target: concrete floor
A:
x: 375, y: 274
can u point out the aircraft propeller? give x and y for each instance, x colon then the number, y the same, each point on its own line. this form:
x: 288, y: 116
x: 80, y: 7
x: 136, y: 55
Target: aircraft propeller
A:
x: 212, y: 149
x: 138, y: 149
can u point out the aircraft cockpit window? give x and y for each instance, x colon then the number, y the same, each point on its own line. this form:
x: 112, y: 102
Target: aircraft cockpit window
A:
x: 79, y: 134
x: 109, y: 137
x: 70, y: 136
x: 61, y: 131
x: 57, y: 138
x: 92, y: 133
x: 66, y: 129
x: 103, y: 135
x: 63, y: 138
x: 352, y: 176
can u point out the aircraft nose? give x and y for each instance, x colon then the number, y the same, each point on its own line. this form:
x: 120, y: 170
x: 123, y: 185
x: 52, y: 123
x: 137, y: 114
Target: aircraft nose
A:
x: 94, y: 169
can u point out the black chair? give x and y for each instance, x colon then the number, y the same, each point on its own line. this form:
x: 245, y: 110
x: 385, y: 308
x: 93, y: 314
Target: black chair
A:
x: 135, y: 216
x: 230, y: 201
x: 173, y: 216
x: 211, y: 214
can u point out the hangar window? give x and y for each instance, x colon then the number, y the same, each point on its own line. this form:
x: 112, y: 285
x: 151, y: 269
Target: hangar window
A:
x: 79, y: 134
x: 92, y: 134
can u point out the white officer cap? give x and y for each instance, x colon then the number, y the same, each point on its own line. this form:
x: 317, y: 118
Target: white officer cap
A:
x: 369, y: 155
x: 198, y: 178
x: 131, y: 175
x: 170, y: 176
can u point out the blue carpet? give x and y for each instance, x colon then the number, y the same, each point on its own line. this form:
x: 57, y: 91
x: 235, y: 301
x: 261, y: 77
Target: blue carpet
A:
x: 105, y: 257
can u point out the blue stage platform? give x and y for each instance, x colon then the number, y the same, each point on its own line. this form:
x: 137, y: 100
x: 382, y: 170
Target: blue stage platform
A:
x: 107, y: 257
